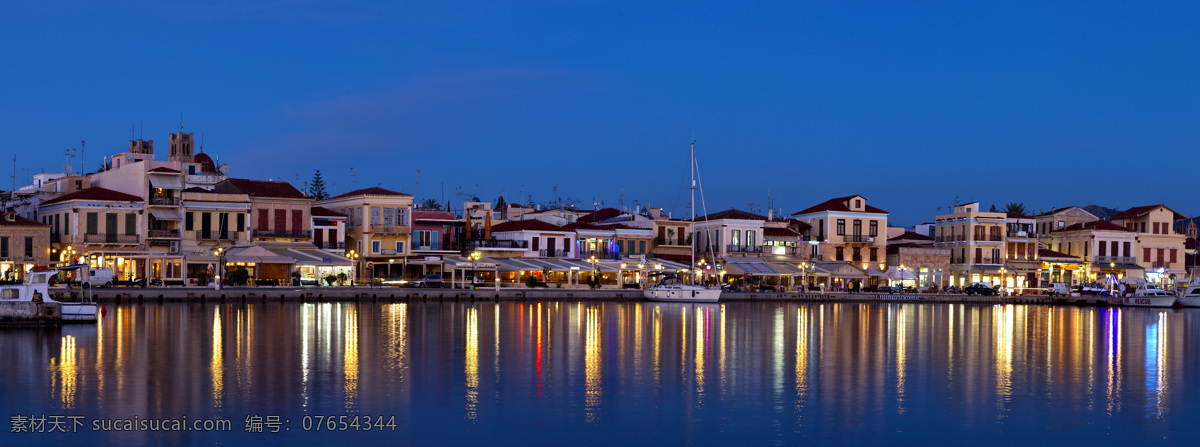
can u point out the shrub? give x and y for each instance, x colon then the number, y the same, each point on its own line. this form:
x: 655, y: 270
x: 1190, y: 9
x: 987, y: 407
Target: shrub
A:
x: 239, y: 277
x: 531, y: 281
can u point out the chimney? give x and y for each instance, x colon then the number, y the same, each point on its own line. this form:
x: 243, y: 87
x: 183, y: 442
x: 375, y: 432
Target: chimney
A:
x: 770, y: 214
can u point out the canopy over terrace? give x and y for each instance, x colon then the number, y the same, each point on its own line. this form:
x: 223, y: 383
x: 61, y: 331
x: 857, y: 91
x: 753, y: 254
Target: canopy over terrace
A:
x: 838, y: 274
x: 262, y: 264
x: 312, y: 262
x: 758, y: 267
x: 460, y: 268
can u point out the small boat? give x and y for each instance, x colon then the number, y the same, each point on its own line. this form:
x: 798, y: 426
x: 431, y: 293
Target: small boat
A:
x: 1149, y: 295
x: 1191, y: 298
x: 34, y: 289
x: 671, y: 288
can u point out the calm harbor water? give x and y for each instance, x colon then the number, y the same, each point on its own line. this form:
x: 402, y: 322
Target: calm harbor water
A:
x: 612, y: 373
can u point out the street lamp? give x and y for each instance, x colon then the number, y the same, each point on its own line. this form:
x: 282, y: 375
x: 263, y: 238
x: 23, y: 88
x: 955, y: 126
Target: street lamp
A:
x: 353, y: 267
x: 220, y: 266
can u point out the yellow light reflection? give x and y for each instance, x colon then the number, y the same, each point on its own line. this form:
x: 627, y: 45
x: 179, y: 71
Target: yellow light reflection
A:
x: 699, y: 360
x: 471, y: 365
x: 801, y: 355
x: 350, y: 357
x: 591, y: 361
x: 1003, y: 350
x: 67, y: 371
x: 1113, y: 361
x: 901, y: 358
x: 217, y: 367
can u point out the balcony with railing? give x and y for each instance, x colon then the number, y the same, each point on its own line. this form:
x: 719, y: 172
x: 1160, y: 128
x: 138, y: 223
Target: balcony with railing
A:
x: 388, y: 229
x: 164, y: 201
x: 988, y: 238
x: 1021, y: 235
x: 1116, y: 260
x: 282, y: 233
x: 162, y: 234
x: 743, y: 249
x: 329, y: 245
x: 502, y: 244
x: 857, y: 238
x: 211, y: 235
x: 121, y: 239
x: 553, y: 253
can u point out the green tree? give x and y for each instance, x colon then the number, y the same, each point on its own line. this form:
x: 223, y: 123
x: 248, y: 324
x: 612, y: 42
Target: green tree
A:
x: 500, y: 203
x: 1016, y: 207
x: 431, y: 205
x: 993, y: 209
x: 316, y: 188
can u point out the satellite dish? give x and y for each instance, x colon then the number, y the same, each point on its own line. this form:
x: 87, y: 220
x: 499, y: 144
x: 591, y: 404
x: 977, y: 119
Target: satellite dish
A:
x: 67, y: 169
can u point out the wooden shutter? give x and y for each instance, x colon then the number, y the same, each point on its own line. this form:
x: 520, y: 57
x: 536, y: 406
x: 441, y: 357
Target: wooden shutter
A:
x: 262, y: 220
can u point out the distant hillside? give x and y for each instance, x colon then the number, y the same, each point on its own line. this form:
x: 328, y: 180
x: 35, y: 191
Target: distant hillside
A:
x: 1101, y: 212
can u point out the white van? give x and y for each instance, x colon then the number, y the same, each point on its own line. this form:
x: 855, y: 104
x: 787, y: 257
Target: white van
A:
x: 1058, y: 289
x: 98, y: 277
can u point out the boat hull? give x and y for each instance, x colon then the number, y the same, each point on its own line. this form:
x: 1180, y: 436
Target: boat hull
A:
x: 80, y: 312
x: 682, y: 294
x: 1189, y: 301
x: 1148, y: 301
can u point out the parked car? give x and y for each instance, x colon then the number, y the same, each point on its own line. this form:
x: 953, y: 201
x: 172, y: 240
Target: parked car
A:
x: 1058, y: 288
x: 137, y: 282
x: 428, y: 281
x: 979, y: 289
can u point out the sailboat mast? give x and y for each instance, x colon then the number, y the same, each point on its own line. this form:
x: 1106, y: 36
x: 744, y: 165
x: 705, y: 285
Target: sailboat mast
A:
x: 692, y: 172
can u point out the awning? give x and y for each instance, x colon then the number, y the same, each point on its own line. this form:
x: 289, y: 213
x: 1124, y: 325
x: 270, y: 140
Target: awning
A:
x: 256, y: 254
x: 165, y: 214
x: 986, y: 268
x: 895, y: 273
x: 165, y: 181
x: 835, y: 269
x: 306, y: 254
x: 750, y: 266
x: 875, y: 273
x: 1104, y: 265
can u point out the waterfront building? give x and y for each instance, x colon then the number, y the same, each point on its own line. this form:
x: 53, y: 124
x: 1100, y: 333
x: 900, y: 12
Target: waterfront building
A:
x: 1058, y: 219
x: 917, y: 255
x: 279, y: 223
x: 1160, y: 242
x: 378, y: 227
x: 976, y: 242
x: 100, y: 227
x: 1021, y: 243
x: 848, y: 229
x: 212, y: 223
x: 1103, y: 248
x: 24, y: 243
x: 594, y: 241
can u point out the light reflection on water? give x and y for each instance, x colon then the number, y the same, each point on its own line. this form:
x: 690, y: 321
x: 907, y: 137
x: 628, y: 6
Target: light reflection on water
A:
x: 638, y: 373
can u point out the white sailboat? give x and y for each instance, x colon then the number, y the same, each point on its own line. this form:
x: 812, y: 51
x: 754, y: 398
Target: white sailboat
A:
x: 670, y: 287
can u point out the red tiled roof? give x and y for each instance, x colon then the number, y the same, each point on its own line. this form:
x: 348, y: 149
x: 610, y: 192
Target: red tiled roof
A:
x: 839, y: 205
x: 784, y: 232
x: 731, y: 213
x: 1094, y: 225
x: 1140, y: 210
x: 910, y: 236
x: 259, y: 188
x: 95, y: 193
x: 601, y: 214
x: 798, y: 224
x: 325, y: 212
x: 432, y: 215
x: 165, y: 170
x: 196, y: 189
x: 586, y: 226
x: 1017, y: 216
x: 1047, y: 253
x: 526, y: 225
x: 19, y: 221
x: 372, y: 191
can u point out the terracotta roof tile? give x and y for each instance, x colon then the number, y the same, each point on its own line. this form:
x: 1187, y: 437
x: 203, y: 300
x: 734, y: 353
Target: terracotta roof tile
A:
x: 372, y: 191
x: 586, y: 226
x: 1140, y: 210
x: 1046, y: 253
x: 165, y: 170
x: 910, y: 236
x: 783, y: 232
x: 838, y: 205
x: 527, y: 225
x: 19, y: 221
x: 731, y: 213
x: 1094, y: 225
x: 325, y: 212
x: 95, y: 193
x: 600, y: 215
x: 259, y: 188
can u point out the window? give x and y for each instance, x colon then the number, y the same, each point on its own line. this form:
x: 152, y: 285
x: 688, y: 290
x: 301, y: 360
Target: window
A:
x: 620, y: 246
x: 262, y: 219
x: 1061, y: 224
x: 241, y: 222
x: 1124, y: 249
x: 1172, y: 259
x: 841, y: 227
x: 399, y: 248
x: 1145, y: 254
x: 735, y: 237
x: 3, y: 247
x: 837, y: 254
x: 1154, y: 228
x: 751, y: 238
x: 857, y: 256
x: 1103, y: 249
x: 642, y: 248
x: 66, y: 223
x: 130, y: 223
x: 93, y: 223
x: 536, y: 243
x: 280, y: 220
x: 375, y: 245
x: 821, y: 228
x: 1143, y: 228
x: 857, y: 203
x: 858, y: 227
x: 374, y: 215
x: 874, y: 228
x: 874, y: 254
x: 632, y: 247
x: 187, y: 221
x: 28, y: 246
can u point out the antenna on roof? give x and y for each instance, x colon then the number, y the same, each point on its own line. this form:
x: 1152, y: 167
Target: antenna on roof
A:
x: 202, y: 150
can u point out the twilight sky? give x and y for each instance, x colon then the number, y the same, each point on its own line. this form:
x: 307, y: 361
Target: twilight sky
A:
x: 1047, y: 103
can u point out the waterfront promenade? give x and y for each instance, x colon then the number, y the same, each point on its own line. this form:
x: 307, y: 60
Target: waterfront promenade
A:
x: 332, y: 294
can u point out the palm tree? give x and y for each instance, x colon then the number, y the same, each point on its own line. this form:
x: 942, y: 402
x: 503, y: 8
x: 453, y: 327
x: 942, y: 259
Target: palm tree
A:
x: 1015, y: 207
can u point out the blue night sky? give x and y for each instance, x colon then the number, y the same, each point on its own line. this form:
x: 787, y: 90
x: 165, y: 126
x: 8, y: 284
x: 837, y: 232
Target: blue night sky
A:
x: 1046, y: 103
